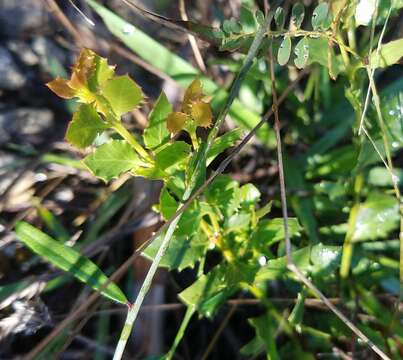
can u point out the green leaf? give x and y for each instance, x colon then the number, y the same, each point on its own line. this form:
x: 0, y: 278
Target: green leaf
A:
x: 168, y: 205
x: 156, y: 133
x: 379, y: 176
x: 247, y: 19
x: 222, y: 193
x: 320, y: 17
x: 103, y: 72
x: 53, y: 224
x: 270, y: 231
x: 122, y: 93
x: 297, y: 15
x: 301, y: 52
x: 266, y: 328
x: 222, y: 143
x: 111, y: 159
x: 389, y: 54
x: 211, y: 290
x: 68, y: 260
x: 183, y: 252
x: 284, y: 51
x: 84, y: 127
x: 232, y: 26
x: 171, y: 154
x: 297, y: 312
x: 279, y: 18
x: 376, y: 217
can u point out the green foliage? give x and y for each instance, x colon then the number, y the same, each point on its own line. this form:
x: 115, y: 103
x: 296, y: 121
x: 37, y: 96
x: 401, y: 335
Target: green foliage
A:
x: 68, y: 260
x: 112, y: 159
x: 229, y: 218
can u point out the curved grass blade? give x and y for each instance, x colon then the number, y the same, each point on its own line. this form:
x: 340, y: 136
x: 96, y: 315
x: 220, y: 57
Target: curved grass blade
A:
x: 68, y: 260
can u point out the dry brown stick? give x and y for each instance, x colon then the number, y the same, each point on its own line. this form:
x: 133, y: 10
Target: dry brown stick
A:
x: 290, y: 263
x: 192, y: 39
x: 123, y: 268
x: 220, y: 329
x: 58, y: 13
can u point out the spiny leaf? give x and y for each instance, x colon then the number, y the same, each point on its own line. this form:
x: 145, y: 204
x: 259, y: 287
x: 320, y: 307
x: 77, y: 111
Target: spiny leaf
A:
x: 176, y: 122
x: 194, y: 92
x: 284, y: 51
x: 61, y: 88
x: 297, y: 15
x: 301, y: 52
x: 201, y: 113
x: 111, y: 159
x: 279, y: 18
x: 222, y: 143
x: 122, y: 93
x: 171, y: 154
x: 156, y: 132
x: 68, y: 259
x: 83, y: 68
x: 84, y: 127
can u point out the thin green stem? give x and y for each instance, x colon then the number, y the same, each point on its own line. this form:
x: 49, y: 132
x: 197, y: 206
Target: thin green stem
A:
x: 125, y: 134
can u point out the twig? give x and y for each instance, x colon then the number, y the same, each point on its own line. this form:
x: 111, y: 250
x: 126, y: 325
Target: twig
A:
x: 192, y: 39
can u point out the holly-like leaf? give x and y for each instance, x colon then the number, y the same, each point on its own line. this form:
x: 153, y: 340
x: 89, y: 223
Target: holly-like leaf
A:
x: 61, y: 88
x: 168, y: 205
x: 194, y: 92
x: 284, y: 51
x: 112, y: 159
x: 84, y: 127
x: 201, y: 113
x: 301, y: 52
x: 320, y: 17
x: 172, y: 154
x: 297, y: 15
x: 176, y: 122
x: 122, y: 93
x: 68, y: 259
x: 222, y: 143
x: 211, y: 290
x: 83, y: 69
x: 102, y: 73
x: 156, y: 133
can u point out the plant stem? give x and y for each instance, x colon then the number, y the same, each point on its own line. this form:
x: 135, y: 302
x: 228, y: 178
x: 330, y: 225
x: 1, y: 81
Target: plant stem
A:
x: 135, y: 308
x: 125, y: 134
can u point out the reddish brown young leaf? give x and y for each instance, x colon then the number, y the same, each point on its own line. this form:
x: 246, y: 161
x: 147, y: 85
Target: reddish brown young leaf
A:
x: 61, y: 88
x: 193, y: 93
x: 201, y: 113
x: 176, y: 122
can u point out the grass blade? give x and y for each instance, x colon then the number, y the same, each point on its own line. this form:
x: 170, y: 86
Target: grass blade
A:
x: 68, y: 260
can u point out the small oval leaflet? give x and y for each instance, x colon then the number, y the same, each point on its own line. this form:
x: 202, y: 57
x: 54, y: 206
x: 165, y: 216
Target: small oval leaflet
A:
x: 297, y: 15
x: 320, y: 17
x: 279, y: 18
x: 284, y: 51
x: 301, y: 52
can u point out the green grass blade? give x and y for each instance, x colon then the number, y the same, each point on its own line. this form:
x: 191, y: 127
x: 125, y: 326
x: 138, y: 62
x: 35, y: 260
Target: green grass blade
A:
x: 68, y: 260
